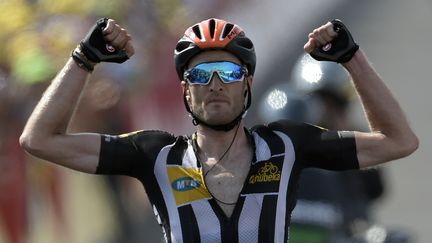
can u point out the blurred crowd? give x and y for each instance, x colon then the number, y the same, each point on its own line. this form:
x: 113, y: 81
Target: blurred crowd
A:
x: 38, y: 202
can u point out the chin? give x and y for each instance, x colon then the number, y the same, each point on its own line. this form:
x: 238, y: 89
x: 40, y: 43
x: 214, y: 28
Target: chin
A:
x: 218, y: 121
x: 218, y: 115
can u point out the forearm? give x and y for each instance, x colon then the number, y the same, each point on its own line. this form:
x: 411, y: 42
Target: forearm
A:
x: 391, y: 136
x: 384, y: 114
x: 52, y: 114
x: 45, y: 134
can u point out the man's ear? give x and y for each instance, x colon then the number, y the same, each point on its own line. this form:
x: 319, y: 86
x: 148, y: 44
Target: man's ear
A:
x: 248, y: 79
x: 185, y: 90
x: 183, y: 85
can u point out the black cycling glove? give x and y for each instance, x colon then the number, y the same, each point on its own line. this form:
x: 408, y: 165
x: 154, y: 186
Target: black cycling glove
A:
x: 94, y: 47
x: 341, y: 49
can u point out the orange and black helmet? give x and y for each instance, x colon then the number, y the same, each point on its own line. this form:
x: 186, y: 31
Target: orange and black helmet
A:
x: 214, y: 34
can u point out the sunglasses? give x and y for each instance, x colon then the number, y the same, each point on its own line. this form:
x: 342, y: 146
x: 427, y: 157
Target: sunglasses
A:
x: 228, y: 72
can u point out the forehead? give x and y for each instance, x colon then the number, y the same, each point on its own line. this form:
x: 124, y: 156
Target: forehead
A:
x: 210, y: 56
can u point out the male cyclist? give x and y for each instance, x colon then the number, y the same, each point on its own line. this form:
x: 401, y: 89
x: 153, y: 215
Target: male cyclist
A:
x: 225, y: 182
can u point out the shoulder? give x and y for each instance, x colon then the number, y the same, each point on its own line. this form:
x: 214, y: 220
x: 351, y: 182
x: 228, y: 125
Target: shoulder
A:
x: 142, y: 140
x: 298, y: 133
x: 154, y: 135
x: 289, y: 127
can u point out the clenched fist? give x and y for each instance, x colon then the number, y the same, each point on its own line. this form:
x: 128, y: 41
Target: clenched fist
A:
x: 118, y: 37
x: 331, y: 42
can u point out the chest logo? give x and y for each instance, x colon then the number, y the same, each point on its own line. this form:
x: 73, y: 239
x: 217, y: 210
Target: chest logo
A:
x: 269, y: 172
x: 185, y: 184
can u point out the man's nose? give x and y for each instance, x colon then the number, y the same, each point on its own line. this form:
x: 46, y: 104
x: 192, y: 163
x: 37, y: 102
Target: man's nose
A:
x: 216, y: 82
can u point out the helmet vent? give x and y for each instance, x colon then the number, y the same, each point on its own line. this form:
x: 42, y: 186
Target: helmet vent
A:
x: 228, y: 28
x: 212, y: 25
x: 196, y: 30
x: 182, y: 45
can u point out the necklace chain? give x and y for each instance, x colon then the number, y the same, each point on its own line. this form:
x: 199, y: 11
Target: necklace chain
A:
x: 219, y: 160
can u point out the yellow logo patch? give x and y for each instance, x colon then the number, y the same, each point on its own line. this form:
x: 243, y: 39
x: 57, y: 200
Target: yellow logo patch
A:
x: 187, y: 185
x: 267, y: 173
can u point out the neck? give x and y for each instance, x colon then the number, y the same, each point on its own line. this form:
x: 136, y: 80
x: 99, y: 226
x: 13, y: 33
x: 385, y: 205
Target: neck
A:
x: 212, y: 143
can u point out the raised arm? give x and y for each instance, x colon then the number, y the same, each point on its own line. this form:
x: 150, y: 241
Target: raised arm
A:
x: 45, y: 134
x: 391, y: 136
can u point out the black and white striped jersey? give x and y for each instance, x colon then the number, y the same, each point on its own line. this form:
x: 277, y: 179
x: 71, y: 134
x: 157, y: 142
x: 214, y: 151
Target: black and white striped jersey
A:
x: 172, y: 176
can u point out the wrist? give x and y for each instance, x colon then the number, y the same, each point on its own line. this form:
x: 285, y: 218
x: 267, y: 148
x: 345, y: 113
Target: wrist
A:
x: 359, y: 66
x: 357, y: 60
x: 81, y: 60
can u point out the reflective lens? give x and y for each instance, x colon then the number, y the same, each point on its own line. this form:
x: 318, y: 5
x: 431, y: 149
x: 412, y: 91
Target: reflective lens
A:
x: 202, y: 73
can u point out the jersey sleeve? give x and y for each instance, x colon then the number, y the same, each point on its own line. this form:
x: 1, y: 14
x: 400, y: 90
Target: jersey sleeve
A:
x: 319, y: 147
x: 130, y: 154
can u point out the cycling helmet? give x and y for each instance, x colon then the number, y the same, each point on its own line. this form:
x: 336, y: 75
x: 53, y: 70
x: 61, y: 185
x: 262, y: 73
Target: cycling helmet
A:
x: 323, y: 78
x: 214, y: 34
